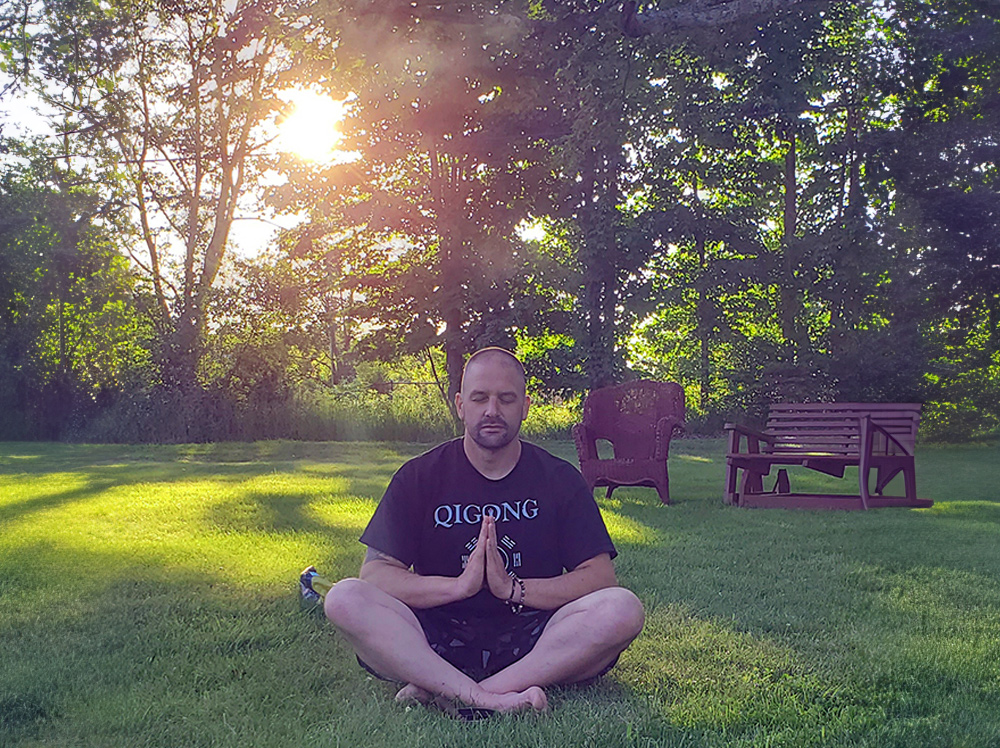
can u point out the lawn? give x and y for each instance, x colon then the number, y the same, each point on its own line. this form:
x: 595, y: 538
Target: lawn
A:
x: 147, y: 598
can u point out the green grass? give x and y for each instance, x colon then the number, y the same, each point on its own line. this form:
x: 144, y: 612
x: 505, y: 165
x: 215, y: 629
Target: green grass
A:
x: 147, y: 599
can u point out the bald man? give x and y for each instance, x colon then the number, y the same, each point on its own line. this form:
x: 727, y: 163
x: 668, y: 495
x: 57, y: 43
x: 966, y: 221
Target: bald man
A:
x: 489, y: 572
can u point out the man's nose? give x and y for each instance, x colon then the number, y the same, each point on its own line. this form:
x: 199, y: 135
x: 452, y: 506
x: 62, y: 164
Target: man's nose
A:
x: 492, y: 406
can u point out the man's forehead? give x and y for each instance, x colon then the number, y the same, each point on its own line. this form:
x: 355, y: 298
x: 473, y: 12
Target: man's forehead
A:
x: 494, y: 386
x: 493, y: 371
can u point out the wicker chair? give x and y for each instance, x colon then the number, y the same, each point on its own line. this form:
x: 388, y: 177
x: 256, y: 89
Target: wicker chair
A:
x: 639, y: 419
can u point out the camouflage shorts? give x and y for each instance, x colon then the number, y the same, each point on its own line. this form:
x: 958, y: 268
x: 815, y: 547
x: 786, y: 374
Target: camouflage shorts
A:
x: 480, y: 647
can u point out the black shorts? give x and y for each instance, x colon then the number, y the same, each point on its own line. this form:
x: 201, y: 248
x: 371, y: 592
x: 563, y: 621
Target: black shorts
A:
x: 480, y: 647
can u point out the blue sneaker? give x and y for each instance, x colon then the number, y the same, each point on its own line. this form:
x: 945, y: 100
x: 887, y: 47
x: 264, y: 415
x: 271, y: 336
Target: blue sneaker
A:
x: 309, y: 595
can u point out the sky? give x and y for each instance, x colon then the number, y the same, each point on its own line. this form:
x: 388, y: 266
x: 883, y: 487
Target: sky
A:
x: 20, y: 117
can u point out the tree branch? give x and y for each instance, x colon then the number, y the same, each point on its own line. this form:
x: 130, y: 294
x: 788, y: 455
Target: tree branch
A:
x: 702, y: 13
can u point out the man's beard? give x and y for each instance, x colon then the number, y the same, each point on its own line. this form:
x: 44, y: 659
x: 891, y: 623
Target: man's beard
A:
x: 493, y: 440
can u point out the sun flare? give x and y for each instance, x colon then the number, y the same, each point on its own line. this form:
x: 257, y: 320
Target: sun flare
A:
x: 311, y: 130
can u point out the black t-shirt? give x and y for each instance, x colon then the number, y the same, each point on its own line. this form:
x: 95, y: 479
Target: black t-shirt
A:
x: 430, y: 516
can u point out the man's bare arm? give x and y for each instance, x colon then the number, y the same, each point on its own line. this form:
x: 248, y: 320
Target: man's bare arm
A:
x: 392, y: 577
x: 546, y: 593
x: 553, y: 592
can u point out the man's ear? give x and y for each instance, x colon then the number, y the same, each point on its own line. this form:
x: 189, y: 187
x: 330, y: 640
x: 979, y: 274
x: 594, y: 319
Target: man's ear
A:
x: 458, y: 405
x: 527, y: 404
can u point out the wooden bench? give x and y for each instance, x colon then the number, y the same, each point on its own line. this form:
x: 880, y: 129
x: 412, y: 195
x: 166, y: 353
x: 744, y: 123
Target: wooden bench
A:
x: 827, y: 437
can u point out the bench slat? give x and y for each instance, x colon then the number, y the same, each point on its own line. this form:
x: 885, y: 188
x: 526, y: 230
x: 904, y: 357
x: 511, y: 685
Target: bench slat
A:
x: 842, y: 407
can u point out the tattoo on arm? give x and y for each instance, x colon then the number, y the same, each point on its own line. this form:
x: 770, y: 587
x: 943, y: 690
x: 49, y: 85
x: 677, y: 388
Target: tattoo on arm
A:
x: 373, y: 554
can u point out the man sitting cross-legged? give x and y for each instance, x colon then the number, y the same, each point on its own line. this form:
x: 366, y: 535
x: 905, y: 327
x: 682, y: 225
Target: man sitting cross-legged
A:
x: 489, y: 569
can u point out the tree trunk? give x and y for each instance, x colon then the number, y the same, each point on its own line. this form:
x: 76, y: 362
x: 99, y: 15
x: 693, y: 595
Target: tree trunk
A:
x: 334, y: 352
x: 788, y: 284
x: 704, y: 326
x: 454, y: 356
x: 854, y: 183
x: 993, y: 320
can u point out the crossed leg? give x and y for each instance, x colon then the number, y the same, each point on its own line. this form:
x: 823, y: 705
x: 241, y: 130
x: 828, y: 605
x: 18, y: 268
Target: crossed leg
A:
x: 387, y: 636
x: 580, y: 640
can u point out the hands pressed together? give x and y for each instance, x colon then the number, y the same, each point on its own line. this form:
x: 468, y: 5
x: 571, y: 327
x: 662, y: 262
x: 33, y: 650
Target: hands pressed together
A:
x: 486, y: 566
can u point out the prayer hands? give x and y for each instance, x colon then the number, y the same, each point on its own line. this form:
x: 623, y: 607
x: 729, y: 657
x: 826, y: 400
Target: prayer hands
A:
x: 472, y: 578
x: 497, y: 578
x: 486, y: 566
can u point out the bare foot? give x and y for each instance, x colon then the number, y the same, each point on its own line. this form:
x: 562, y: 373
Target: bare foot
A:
x: 411, y: 694
x: 532, y: 698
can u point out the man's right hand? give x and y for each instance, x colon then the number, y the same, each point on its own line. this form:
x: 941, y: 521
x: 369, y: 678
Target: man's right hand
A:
x: 473, y: 576
x: 396, y: 579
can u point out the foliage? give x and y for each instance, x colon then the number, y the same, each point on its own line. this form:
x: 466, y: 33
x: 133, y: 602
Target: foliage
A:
x: 170, y: 103
x: 803, y: 206
x: 943, y: 160
x: 421, y: 222
x: 69, y: 331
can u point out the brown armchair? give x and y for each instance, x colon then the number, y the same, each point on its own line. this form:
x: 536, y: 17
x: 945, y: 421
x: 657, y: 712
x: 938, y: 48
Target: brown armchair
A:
x: 639, y: 419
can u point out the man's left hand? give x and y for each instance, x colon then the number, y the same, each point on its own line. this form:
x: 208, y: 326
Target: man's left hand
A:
x: 497, y: 578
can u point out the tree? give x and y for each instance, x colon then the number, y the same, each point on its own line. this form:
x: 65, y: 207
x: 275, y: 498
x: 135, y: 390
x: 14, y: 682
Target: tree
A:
x: 446, y: 129
x: 941, y: 158
x: 169, y: 103
x: 70, y: 335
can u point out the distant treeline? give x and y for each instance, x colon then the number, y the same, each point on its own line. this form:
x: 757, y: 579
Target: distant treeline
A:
x: 793, y: 199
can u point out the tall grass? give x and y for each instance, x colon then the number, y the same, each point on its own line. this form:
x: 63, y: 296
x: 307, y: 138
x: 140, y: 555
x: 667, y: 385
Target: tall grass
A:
x: 355, y: 411
x: 147, y: 598
x: 407, y: 412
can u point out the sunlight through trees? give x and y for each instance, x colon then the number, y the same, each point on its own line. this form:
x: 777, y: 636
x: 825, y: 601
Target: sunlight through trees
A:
x: 759, y: 199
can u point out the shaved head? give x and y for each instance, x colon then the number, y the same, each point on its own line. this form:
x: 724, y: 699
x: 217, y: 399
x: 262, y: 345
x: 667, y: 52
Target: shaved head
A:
x: 498, y: 356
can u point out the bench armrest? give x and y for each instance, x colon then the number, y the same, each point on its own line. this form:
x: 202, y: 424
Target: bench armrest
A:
x: 868, y: 423
x: 747, y: 431
x: 738, y: 432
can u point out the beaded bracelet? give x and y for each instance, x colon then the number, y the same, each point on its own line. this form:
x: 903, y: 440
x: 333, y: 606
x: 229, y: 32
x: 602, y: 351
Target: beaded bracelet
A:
x: 515, y: 608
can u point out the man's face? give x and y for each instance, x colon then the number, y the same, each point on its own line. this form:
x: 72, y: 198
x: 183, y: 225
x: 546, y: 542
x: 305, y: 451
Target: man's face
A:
x: 492, y: 403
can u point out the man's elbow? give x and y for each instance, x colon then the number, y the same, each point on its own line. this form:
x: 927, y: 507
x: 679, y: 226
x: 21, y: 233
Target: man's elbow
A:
x: 601, y: 571
x: 365, y: 572
x: 373, y: 571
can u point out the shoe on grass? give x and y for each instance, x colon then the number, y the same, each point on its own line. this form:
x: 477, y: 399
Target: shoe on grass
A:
x: 306, y: 591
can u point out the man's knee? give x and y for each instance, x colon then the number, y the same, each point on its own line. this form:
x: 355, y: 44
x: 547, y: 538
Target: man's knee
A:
x: 347, y: 602
x: 619, y: 612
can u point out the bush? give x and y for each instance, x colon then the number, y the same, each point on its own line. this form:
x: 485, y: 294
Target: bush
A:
x: 377, y: 412
x: 956, y: 423
x: 553, y: 419
x: 163, y: 415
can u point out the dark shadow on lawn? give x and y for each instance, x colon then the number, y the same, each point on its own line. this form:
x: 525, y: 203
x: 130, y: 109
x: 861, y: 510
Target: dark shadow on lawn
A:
x: 144, y: 660
x: 816, y: 581
x: 16, y: 510
x: 256, y: 511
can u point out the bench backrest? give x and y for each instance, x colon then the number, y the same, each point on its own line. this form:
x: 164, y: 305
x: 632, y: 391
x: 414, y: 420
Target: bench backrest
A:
x: 833, y: 428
